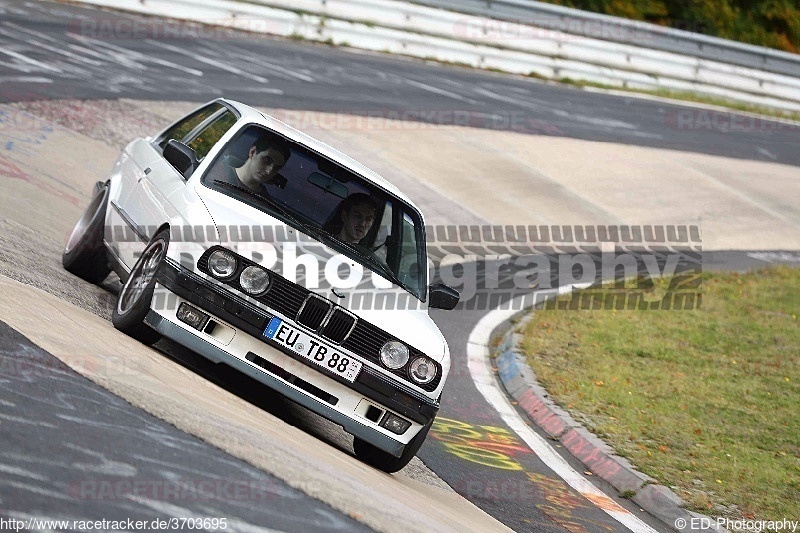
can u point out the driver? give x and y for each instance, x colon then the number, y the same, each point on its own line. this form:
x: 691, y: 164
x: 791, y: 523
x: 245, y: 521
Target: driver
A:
x: 265, y: 158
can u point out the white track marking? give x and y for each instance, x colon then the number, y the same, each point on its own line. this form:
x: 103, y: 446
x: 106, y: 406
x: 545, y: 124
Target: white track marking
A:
x: 24, y: 79
x: 125, y: 54
x: 256, y: 59
x: 56, y: 47
x: 442, y: 92
x: 25, y: 59
x: 482, y: 375
x: 214, y: 63
x: 767, y: 153
x: 264, y: 90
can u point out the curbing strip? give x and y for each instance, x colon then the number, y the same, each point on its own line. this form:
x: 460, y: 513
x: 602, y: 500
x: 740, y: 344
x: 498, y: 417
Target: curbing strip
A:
x: 521, y: 385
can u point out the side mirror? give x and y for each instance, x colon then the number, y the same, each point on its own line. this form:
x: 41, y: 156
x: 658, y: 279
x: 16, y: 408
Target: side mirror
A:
x: 442, y: 297
x: 180, y: 156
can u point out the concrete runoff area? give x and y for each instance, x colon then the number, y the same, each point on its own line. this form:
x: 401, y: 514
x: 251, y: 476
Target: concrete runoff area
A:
x: 502, y: 177
x: 48, y: 170
x: 510, y: 178
x: 193, y: 404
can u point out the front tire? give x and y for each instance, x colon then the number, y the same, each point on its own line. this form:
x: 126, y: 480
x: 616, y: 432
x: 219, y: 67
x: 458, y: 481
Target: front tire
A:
x: 84, y: 254
x: 387, y: 462
x: 136, y: 294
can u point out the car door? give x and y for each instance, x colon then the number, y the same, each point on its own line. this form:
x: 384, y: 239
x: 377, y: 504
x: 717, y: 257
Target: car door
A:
x: 132, y: 210
x: 160, y: 193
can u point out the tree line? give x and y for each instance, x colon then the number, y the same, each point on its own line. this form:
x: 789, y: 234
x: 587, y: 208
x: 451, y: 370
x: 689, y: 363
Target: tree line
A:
x: 770, y: 23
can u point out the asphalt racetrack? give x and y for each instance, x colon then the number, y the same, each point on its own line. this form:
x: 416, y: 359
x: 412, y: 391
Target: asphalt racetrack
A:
x: 468, y: 147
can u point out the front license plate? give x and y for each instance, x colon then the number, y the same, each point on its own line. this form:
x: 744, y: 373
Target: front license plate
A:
x: 311, y: 349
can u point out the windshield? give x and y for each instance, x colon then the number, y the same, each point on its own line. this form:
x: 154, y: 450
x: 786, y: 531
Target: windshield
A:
x: 326, y: 201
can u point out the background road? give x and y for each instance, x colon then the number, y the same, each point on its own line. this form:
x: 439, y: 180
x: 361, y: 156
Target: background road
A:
x: 58, y: 51
x: 50, y: 51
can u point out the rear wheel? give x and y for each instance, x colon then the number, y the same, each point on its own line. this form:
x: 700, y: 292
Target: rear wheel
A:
x: 84, y: 254
x: 136, y: 294
x: 387, y: 462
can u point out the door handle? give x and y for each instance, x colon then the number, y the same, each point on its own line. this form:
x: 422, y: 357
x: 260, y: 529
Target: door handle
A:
x: 143, y: 174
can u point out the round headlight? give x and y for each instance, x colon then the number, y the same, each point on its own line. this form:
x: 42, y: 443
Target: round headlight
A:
x: 222, y: 264
x: 394, y: 354
x: 254, y: 280
x: 422, y: 370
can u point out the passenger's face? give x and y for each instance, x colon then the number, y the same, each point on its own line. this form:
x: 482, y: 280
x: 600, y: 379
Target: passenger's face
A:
x: 264, y: 165
x: 357, y: 222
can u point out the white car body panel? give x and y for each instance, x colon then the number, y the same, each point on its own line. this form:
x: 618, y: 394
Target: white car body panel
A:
x: 147, y: 193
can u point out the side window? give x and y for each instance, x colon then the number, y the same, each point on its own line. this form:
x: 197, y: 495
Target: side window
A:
x: 410, y: 270
x: 208, y: 136
x: 185, y: 126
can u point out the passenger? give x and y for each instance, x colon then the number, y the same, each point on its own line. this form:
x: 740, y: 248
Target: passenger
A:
x: 355, y: 217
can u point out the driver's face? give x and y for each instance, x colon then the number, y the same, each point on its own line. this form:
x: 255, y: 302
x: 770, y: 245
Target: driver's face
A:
x: 357, y: 222
x: 264, y: 165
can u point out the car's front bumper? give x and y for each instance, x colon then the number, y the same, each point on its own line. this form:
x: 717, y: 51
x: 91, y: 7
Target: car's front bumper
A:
x: 243, y: 347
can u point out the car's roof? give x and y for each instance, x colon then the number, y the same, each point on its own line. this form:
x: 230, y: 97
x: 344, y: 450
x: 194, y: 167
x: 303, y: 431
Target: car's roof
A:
x: 253, y: 115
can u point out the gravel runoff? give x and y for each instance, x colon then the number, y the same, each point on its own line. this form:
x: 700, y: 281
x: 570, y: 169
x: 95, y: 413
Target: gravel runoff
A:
x: 29, y: 257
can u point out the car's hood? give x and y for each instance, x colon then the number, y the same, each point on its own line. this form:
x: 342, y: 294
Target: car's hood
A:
x: 300, y: 258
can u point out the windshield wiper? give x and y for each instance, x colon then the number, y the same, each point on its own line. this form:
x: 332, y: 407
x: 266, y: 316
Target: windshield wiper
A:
x: 254, y: 194
x: 373, y: 261
x: 272, y: 203
x: 317, y: 233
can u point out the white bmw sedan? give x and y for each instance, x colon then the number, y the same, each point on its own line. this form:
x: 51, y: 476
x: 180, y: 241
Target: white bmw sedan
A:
x: 262, y: 248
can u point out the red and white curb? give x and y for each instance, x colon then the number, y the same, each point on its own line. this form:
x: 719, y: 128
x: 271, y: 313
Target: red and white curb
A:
x: 655, y: 499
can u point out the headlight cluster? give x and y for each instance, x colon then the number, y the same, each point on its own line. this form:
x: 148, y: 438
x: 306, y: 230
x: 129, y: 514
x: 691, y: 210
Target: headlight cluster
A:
x: 222, y: 264
x: 422, y: 370
x: 395, y: 355
x: 253, y: 280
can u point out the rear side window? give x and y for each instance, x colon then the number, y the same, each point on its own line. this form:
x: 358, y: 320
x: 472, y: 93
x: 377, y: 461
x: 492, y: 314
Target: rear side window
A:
x: 185, y: 126
x: 208, y: 136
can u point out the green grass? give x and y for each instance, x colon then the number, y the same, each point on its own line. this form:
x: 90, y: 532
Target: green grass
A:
x: 705, y: 401
x: 688, y: 96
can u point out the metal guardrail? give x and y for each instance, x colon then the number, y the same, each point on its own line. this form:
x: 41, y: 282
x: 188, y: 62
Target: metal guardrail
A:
x: 421, y: 31
x: 625, y: 31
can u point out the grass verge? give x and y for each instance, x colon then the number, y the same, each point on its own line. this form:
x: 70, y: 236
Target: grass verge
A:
x: 705, y: 401
x: 698, y: 98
